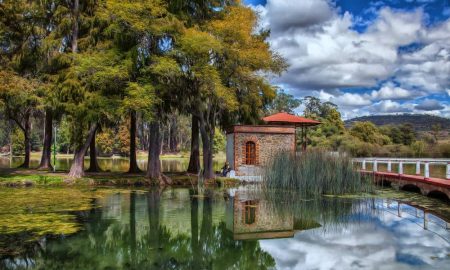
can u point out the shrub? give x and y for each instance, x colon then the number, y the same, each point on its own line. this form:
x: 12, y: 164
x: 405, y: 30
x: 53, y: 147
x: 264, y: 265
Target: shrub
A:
x: 445, y: 150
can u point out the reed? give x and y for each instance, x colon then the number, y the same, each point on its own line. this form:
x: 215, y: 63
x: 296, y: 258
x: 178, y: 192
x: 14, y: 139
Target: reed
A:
x: 314, y: 173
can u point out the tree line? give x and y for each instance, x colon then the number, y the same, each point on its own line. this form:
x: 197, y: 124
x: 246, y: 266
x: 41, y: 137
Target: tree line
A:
x: 98, y: 63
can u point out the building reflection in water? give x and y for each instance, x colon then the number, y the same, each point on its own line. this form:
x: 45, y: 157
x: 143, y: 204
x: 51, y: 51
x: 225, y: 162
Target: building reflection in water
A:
x: 250, y: 217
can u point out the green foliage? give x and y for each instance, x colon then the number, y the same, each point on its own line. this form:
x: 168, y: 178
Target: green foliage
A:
x: 314, y: 173
x: 219, y: 141
x: 123, y: 139
x: 64, y: 136
x: 418, y: 147
x: 445, y: 150
x: 314, y: 108
x: 283, y: 102
x: 105, y: 142
x: 18, y: 144
x: 369, y: 133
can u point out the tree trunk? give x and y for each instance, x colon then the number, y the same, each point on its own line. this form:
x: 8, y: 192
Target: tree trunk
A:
x: 206, y: 230
x: 47, y: 148
x: 155, y: 142
x: 207, y: 134
x: 134, y: 168
x: 26, y: 132
x: 93, y: 162
x: 153, y: 205
x: 194, y: 160
x: 75, y: 27
x: 133, y: 228
x: 173, y: 141
x: 194, y: 230
x: 77, y: 168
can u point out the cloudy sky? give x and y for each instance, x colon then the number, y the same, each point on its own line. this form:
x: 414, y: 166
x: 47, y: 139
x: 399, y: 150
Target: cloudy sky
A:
x: 368, y: 57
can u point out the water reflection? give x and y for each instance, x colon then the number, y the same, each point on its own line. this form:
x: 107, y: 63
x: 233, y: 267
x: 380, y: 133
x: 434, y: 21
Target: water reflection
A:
x: 114, y: 164
x: 188, y: 229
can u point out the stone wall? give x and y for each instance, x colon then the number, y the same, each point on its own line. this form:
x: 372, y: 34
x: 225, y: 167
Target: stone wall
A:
x: 267, y: 144
x: 266, y: 219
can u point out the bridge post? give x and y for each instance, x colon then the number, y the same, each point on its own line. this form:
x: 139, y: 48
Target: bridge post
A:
x: 425, y: 220
x: 418, y: 168
x: 399, y: 209
x: 427, y: 170
x: 448, y: 171
x: 364, y: 164
x: 375, y: 165
x: 400, y: 168
x: 389, y: 166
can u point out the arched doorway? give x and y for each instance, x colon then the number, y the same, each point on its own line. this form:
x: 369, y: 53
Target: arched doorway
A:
x: 250, y: 153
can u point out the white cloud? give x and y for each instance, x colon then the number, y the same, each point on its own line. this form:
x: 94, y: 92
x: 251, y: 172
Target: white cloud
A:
x: 390, y: 91
x: 389, y: 106
x: 327, y: 55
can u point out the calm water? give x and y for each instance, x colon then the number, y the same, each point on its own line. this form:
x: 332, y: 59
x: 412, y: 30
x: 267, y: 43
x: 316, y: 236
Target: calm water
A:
x: 118, y: 164
x: 176, y: 229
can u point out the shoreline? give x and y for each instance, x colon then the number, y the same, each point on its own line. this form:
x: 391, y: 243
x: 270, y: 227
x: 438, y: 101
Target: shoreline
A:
x: 30, y: 177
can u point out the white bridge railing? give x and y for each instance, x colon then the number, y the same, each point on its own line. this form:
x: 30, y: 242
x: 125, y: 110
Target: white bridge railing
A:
x: 426, y: 162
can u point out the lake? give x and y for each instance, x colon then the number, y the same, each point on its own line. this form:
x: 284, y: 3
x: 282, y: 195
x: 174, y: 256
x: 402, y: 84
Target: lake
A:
x: 116, y: 164
x: 178, y: 228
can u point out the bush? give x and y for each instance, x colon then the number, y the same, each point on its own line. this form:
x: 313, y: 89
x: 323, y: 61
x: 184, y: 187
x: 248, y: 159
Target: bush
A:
x: 18, y: 143
x: 418, y: 147
x: 445, y: 150
x: 314, y: 173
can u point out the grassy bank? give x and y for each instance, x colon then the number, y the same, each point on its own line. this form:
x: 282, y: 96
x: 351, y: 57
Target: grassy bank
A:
x: 19, y: 177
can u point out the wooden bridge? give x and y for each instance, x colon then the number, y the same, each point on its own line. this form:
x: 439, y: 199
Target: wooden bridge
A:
x: 419, y: 182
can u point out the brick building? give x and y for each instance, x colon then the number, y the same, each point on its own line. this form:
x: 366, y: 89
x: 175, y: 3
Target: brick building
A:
x: 250, y: 147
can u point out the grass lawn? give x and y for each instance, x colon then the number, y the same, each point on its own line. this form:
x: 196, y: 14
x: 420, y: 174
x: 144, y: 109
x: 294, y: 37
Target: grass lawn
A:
x: 24, y: 177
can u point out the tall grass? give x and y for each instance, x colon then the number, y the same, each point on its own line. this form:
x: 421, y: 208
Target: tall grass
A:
x: 314, y: 173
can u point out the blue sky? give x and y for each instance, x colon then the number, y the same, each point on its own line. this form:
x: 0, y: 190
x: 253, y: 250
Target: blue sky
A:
x: 368, y: 57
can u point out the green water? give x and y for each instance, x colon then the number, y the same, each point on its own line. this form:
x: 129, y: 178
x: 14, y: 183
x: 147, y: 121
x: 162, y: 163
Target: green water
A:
x: 63, y: 228
x: 118, y: 164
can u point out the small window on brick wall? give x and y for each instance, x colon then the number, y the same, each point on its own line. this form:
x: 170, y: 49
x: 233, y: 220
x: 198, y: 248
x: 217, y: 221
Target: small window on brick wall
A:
x: 250, y: 153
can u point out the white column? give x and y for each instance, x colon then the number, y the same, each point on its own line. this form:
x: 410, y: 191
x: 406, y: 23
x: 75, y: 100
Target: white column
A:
x: 448, y: 171
x: 418, y: 168
x: 375, y: 165
x: 364, y: 164
x: 400, y: 167
x: 389, y: 166
x: 427, y: 170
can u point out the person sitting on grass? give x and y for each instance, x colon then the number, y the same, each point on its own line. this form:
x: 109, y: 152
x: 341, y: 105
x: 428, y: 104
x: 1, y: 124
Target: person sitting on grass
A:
x: 226, y: 169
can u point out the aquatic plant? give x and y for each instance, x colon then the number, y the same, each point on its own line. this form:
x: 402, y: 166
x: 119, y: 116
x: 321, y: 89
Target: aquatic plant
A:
x: 314, y: 173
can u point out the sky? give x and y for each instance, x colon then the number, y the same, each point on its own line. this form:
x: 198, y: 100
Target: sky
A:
x: 368, y: 57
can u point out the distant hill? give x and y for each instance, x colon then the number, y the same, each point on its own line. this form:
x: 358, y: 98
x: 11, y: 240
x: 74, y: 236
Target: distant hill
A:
x: 421, y: 122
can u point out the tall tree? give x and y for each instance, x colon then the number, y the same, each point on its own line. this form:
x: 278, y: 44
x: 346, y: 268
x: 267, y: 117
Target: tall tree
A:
x: 18, y: 100
x: 144, y: 31
x: 21, y: 35
x: 283, y: 102
x: 195, y: 13
x: 222, y: 64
